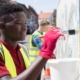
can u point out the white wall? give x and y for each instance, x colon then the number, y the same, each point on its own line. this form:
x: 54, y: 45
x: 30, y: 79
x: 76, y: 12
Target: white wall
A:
x: 68, y: 18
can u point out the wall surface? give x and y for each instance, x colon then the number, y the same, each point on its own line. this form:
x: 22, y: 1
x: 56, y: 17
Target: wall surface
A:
x: 67, y: 19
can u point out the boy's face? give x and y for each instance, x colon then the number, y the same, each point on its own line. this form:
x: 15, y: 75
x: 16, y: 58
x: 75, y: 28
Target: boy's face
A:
x: 46, y: 28
x: 16, y: 29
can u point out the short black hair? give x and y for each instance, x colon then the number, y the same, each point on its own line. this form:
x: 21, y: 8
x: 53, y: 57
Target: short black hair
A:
x: 7, y: 8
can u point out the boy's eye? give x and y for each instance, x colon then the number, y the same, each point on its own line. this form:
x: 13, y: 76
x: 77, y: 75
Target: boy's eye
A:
x: 19, y: 23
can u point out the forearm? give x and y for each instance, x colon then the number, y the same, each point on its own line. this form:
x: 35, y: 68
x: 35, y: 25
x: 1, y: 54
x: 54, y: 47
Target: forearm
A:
x: 33, y: 71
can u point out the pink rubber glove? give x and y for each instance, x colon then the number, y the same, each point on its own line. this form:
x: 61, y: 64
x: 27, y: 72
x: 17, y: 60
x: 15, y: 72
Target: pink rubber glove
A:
x: 49, y: 43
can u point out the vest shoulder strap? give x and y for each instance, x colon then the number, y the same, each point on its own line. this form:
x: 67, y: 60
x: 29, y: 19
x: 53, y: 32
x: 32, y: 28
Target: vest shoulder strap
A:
x: 1, y: 51
x: 37, y: 33
x: 25, y: 49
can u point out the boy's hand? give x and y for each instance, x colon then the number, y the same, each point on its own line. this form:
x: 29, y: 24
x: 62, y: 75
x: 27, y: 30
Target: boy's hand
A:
x: 42, y: 36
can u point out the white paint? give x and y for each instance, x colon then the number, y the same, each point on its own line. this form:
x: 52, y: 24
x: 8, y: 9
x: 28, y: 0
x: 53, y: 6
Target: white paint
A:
x: 64, y: 69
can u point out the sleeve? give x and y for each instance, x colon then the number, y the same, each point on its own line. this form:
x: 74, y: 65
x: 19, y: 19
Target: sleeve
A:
x: 3, y: 69
x: 37, y: 41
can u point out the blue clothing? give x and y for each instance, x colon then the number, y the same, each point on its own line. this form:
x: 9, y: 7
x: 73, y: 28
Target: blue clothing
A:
x: 37, y: 41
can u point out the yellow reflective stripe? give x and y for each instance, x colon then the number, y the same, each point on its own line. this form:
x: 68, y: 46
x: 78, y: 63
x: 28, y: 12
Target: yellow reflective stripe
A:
x: 35, y: 52
x: 9, y: 63
x: 26, y: 51
x: 1, y: 52
x: 34, y: 49
x: 26, y: 60
x: 25, y: 55
x: 33, y: 55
